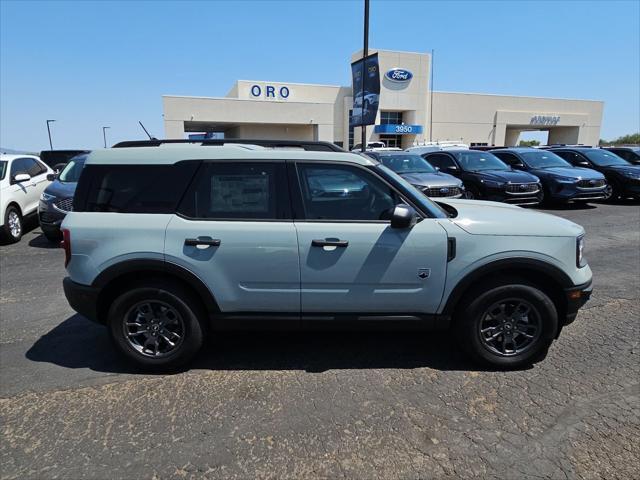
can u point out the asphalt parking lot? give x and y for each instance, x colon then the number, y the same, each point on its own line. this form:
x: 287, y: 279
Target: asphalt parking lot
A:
x: 322, y: 405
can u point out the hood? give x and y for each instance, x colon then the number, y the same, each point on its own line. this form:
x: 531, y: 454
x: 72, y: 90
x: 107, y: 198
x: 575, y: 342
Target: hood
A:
x: 624, y: 168
x: 505, y: 176
x: 432, y: 179
x: 493, y: 218
x: 60, y: 189
x: 578, y: 173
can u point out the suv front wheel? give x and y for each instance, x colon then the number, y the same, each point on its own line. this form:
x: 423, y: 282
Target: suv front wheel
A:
x: 507, y: 325
x: 156, y: 325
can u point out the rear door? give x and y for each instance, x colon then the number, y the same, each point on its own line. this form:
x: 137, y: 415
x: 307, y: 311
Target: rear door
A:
x: 351, y: 260
x: 234, y: 230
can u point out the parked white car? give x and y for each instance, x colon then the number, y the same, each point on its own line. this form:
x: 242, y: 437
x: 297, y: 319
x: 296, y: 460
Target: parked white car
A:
x: 23, y: 178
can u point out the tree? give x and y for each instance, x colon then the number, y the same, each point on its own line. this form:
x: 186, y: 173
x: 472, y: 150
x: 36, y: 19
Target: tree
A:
x: 528, y: 143
x: 632, y: 138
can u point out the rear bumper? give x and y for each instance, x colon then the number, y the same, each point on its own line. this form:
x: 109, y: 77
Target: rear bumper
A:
x: 576, y: 297
x: 82, y: 298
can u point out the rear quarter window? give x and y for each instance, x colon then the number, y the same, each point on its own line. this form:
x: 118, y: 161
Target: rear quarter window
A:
x: 133, y: 188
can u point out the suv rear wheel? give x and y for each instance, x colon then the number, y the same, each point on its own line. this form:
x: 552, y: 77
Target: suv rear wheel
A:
x: 156, y: 325
x: 508, y: 325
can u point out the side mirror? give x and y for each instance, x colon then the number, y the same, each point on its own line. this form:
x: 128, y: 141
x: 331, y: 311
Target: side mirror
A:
x: 437, y: 169
x: 22, y: 177
x: 518, y: 166
x: 583, y: 164
x: 452, y: 168
x: 403, y: 216
x: 51, y: 176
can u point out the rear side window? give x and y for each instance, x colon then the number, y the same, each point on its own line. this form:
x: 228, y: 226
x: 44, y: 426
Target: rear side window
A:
x: 238, y: 191
x: 133, y: 188
x: 439, y: 160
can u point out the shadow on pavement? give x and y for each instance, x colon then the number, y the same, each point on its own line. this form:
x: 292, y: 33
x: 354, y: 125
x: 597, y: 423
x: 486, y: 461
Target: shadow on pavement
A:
x: 79, y: 343
x: 40, y: 241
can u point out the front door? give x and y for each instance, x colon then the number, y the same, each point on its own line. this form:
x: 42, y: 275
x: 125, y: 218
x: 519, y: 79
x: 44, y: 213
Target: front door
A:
x: 351, y: 260
x: 234, y: 231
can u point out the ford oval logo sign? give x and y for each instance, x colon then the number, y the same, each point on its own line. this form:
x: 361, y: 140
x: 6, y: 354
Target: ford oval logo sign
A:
x: 399, y: 75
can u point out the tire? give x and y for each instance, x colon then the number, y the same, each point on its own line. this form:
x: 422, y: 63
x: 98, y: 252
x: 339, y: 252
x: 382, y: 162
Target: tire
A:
x: 54, y: 236
x: 173, y: 315
x: 472, y: 193
x: 475, y: 315
x: 13, y: 226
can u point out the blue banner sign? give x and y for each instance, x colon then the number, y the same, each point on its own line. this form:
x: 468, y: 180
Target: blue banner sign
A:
x: 403, y: 129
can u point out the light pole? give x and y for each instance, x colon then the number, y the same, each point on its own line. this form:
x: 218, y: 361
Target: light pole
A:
x: 49, y: 132
x: 104, y: 135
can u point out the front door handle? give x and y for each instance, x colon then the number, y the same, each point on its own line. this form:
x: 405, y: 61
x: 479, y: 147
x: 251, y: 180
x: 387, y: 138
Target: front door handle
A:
x: 204, y: 241
x: 329, y: 243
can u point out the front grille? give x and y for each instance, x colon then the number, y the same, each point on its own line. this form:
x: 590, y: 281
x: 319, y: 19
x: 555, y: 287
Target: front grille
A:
x: 441, y: 191
x: 591, y: 183
x: 522, y: 188
x: 66, y: 204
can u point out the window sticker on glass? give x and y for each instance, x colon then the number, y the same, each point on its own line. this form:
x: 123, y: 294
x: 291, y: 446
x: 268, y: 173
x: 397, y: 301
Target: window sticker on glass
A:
x: 240, y: 193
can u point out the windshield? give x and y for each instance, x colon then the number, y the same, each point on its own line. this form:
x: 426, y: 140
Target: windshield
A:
x: 542, y: 159
x: 407, y: 163
x: 3, y: 169
x: 71, y: 172
x: 604, y: 158
x: 475, y: 161
x: 420, y: 198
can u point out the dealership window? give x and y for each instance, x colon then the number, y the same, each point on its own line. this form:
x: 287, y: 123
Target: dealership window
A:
x: 394, y: 141
x: 479, y: 144
x: 390, y: 118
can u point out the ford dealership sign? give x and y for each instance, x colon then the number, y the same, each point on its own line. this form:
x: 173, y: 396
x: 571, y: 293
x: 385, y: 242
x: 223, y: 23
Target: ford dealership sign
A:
x: 399, y: 75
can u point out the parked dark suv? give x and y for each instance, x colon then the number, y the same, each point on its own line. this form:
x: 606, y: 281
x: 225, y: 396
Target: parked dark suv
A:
x: 417, y: 171
x: 623, y: 177
x: 486, y: 177
x: 561, y: 181
x: 57, y: 199
x: 630, y: 154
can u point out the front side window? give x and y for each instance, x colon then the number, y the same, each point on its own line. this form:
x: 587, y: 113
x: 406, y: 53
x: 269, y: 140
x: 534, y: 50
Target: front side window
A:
x: 19, y: 165
x: 474, y: 161
x: 604, y: 158
x: 336, y: 192
x: 3, y: 169
x: 73, y: 169
x: 238, y: 190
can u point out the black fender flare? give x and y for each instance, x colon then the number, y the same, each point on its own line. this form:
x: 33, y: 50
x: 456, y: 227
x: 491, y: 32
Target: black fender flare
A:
x: 136, y: 266
x: 525, y: 265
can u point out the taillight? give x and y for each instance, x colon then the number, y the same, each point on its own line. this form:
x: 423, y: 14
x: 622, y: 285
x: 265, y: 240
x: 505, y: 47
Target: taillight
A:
x: 66, y: 244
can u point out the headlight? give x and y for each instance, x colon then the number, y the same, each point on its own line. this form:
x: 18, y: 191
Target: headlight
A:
x: 580, y: 261
x: 492, y: 184
x: 45, y: 197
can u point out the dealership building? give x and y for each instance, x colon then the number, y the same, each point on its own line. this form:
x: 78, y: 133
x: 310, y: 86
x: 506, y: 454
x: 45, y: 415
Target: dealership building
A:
x: 408, y: 113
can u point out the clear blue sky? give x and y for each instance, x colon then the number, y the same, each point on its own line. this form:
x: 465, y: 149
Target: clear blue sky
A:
x: 89, y: 64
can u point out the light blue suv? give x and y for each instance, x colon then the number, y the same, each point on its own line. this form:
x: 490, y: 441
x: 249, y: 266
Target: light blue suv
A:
x: 168, y: 243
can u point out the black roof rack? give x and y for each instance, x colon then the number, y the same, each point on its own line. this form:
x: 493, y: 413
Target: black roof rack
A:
x: 302, y: 144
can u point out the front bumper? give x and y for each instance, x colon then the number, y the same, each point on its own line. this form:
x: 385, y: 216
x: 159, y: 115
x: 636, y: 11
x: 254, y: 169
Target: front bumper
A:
x: 576, y: 297
x: 570, y: 192
x: 49, y: 216
x: 82, y: 298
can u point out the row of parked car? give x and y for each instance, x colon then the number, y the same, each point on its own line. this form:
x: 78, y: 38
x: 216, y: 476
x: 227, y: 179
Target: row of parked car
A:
x: 519, y: 176
x: 516, y: 175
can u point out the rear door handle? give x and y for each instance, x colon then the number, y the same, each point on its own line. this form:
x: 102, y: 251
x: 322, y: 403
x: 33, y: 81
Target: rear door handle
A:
x: 204, y: 241
x: 329, y: 243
